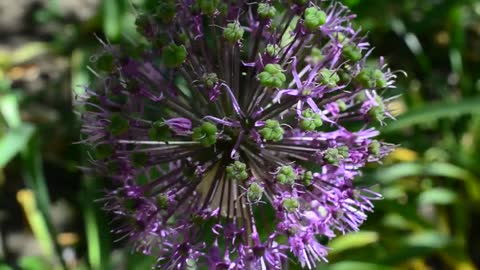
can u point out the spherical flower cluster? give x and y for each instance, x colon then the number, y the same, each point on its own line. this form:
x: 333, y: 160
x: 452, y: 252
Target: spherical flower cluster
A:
x: 234, y: 131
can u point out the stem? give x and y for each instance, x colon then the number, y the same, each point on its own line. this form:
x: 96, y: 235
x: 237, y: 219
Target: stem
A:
x: 277, y: 109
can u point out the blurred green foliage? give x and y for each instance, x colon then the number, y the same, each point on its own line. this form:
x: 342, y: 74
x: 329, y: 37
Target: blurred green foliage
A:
x: 429, y: 218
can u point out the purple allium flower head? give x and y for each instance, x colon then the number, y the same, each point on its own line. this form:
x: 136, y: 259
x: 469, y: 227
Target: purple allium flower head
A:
x: 229, y: 111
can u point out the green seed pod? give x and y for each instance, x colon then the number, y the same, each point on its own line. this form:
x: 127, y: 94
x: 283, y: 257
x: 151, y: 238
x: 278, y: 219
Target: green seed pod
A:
x: 361, y: 97
x: 314, y: 18
x: 272, y: 131
x: 378, y: 112
x: 174, y: 55
x: 332, y: 156
x: 272, y: 76
x: 310, y: 121
x: 233, y: 32
x: 344, y: 151
x: 329, y: 78
x: 286, y: 175
x: 206, y: 134
x: 290, y: 204
x: 266, y: 11
x: 118, y: 125
x: 371, y: 78
x: 341, y: 38
x: 374, y: 148
x: 307, y: 178
x: 352, y: 52
x: 254, y: 192
x: 237, y: 171
x: 342, y: 105
x: 210, y: 79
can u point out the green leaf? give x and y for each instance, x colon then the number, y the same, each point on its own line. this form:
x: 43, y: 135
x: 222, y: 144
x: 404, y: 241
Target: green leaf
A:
x: 98, y: 237
x: 10, y: 111
x: 34, y: 263
x: 13, y: 142
x: 396, y: 221
x: 387, y: 175
x: 456, y: 61
x: 352, y: 265
x: 33, y: 174
x: 5, y: 267
x: 352, y: 240
x: 429, y: 113
x: 432, y: 239
x: 80, y: 76
x: 23, y: 53
x: 439, y: 169
x: 36, y: 221
x: 113, y: 18
x: 437, y: 196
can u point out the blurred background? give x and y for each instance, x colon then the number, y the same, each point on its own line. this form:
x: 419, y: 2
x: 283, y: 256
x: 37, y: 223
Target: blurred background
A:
x: 430, y: 218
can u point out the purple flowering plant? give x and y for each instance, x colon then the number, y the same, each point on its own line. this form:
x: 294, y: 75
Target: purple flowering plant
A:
x: 229, y: 111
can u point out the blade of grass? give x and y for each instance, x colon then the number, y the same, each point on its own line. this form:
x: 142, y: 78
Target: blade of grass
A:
x: 9, y: 110
x: 97, y: 234
x: 113, y: 12
x: 35, y: 180
x: 350, y: 265
x: 349, y: 241
x: 22, y: 54
x: 18, y: 135
x: 35, y: 219
x: 433, y: 112
x: 13, y: 142
x: 92, y: 232
x: 398, y: 171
